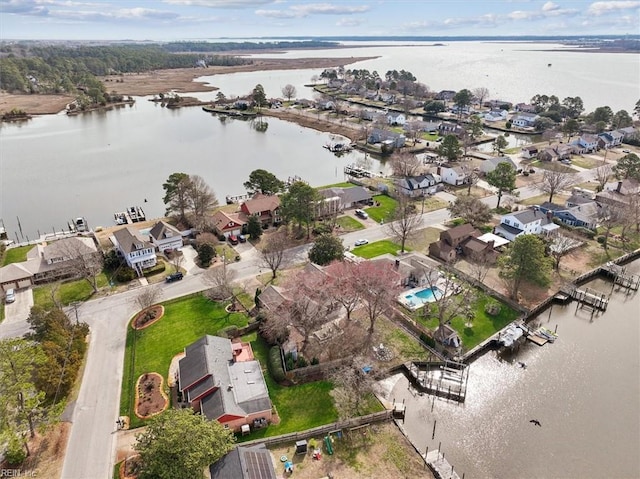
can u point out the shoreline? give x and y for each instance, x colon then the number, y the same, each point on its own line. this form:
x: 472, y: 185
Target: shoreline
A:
x: 180, y: 80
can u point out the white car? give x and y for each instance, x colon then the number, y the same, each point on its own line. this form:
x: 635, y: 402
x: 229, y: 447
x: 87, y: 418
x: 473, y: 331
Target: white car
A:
x: 10, y: 296
x: 361, y: 242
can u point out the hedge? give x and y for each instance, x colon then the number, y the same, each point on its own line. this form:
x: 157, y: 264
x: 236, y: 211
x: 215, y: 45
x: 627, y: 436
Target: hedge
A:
x: 275, y: 364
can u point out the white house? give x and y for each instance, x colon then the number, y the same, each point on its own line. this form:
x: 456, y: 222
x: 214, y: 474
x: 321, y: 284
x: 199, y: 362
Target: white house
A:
x: 164, y: 237
x: 525, y: 120
x: 452, y: 175
x: 530, y: 151
x: 395, y: 118
x: 136, y: 251
x: 530, y: 221
x: 418, y: 186
x: 495, y: 115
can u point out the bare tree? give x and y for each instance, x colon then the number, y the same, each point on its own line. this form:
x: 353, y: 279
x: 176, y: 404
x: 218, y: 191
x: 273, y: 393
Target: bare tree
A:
x: 352, y: 387
x: 220, y: 280
x: 561, y: 246
x: 202, y: 198
x: 555, y: 180
x: 148, y: 296
x: 79, y: 257
x: 479, y: 266
x: 272, y: 252
x: 343, y: 280
x: 472, y: 177
x: 289, y: 91
x: 451, y: 295
x: 603, y: 173
x: 480, y: 94
x: 377, y: 286
x: 609, y: 216
x: 471, y: 210
x: 177, y: 258
x: 405, y: 221
x: 633, y: 212
x: 405, y: 164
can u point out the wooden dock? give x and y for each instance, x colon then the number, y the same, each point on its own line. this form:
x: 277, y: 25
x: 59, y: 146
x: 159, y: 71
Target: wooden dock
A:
x: 357, y: 172
x: 590, y: 298
x: 446, y: 379
x: 440, y: 466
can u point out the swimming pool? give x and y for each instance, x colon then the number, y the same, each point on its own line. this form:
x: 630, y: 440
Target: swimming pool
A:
x: 420, y: 297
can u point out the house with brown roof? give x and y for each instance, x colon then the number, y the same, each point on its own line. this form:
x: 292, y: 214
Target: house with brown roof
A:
x: 451, y: 242
x: 222, y: 381
x: 265, y: 207
x: 227, y: 224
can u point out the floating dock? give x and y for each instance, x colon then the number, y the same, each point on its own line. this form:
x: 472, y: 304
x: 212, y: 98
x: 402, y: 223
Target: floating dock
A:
x: 357, y: 172
x: 133, y: 214
x: 440, y: 466
x: 447, y: 379
x: 590, y: 298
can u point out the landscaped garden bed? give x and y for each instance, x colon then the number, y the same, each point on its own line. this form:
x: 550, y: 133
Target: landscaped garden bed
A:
x: 147, y: 317
x: 150, y: 398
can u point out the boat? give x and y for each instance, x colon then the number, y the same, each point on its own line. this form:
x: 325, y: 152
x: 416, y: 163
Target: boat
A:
x: 136, y: 214
x: 547, y: 333
x: 120, y: 218
x: 80, y: 224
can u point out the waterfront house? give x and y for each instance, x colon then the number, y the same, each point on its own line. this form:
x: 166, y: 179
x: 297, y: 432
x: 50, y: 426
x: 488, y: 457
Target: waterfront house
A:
x: 584, y: 215
x: 524, y: 120
x: 529, y: 221
x: 165, y: 236
x: 557, y: 152
x: 449, y: 245
x: 222, y: 381
x: 525, y: 108
x: 418, y: 186
x: 501, y: 104
x: 244, y: 462
x: 394, y: 118
x: 452, y: 175
x: 492, y: 162
x: 351, y: 197
x: 227, y: 224
x: 445, y: 95
x: 138, y: 253
x: 15, y: 276
x: 381, y: 136
x: 265, y: 207
x: 495, y: 115
x: 449, y: 128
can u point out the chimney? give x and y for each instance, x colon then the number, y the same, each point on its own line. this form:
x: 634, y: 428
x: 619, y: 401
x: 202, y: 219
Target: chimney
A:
x: 619, y: 188
x: 397, y: 263
x: 549, y: 215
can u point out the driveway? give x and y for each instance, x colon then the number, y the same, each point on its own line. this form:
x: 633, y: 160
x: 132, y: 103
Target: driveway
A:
x: 189, y: 255
x: 16, y: 314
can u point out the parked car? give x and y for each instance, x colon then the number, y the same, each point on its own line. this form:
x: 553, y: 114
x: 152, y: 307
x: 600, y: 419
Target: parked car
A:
x: 361, y: 242
x: 362, y: 214
x: 174, y: 277
x: 626, y: 151
x: 242, y: 238
x: 233, y: 239
x: 10, y: 296
x: 565, y: 162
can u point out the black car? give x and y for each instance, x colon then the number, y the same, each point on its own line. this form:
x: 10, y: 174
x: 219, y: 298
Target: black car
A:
x: 174, y: 277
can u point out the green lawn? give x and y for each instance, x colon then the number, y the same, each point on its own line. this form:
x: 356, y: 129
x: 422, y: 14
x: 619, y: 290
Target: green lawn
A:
x: 377, y: 248
x: 299, y: 407
x: 384, y: 211
x: 555, y: 165
x: 483, y: 325
x: 16, y: 255
x: 78, y: 290
x: 185, y: 320
x: 347, y: 224
x: 584, y: 162
x: 344, y: 184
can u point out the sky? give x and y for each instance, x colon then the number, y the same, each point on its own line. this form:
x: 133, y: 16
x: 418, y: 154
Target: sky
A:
x: 165, y: 20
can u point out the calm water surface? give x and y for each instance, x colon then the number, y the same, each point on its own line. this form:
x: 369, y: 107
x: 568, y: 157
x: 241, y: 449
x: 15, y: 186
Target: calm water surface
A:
x: 584, y: 389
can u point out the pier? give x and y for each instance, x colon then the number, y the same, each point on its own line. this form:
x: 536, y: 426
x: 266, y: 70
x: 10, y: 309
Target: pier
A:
x: 133, y: 214
x: 357, y: 172
x: 439, y: 465
x: 590, y: 298
x: 231, y: 199
x: 621, y: 277
x: 448, y: 379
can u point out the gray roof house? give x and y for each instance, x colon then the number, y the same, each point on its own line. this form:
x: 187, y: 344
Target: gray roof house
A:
x: 418, y: 186
x: 492, y: 162
x: 136, y: 250
x: 164, y: 236
x: 584, y: 215
x: 245, y: 462
x: 529, y: 221
x: 222, y: 381
x: 351, y: 197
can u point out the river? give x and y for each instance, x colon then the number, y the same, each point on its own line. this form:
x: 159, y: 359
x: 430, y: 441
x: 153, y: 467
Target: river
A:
x: 55, y: 168
x: 584, y: 389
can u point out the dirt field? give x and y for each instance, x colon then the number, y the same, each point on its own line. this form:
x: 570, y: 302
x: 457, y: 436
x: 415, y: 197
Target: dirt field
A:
x: 374, y: 452
x: 160, y: 81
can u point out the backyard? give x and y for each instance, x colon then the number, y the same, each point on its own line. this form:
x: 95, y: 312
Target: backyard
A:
x: 377, y: 248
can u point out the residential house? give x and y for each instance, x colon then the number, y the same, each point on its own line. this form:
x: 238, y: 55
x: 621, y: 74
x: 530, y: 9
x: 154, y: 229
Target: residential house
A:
x: 525, y: 108
x: 610, y: 139
x: 495, y: 115
x: 165, y: 237
x: 449, y: 245
x: 492, y: 162
x: 501, y: 104
x: 449, y: 128
x: 57, y: 259
x: 586, y: 143
x: 579, y: 197
x: 628, y: 132
x: 452, y: 175
x: 418, y: 186
x: 419, y: 125
x: 524, y: 120
x: 352, y: 197
x: 370, y: 115
x: 242, y: 105
x: 244, y: 462
x: 15, y: 276
x: 265, y: 207
x: 529, y: 221
x: 222, y: 381
x: 385, y: 136
x: 530, y: 151
x: 584, y: 215
x: 135, y: 249
x: 387, y: 98
x: 396, y: 118
x: 227, y: 224
x: 557, y: 152
x: 619, y: 193
x: 326, y: 105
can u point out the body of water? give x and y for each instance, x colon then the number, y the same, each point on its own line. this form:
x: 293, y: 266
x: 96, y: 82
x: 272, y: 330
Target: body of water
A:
x: 584, y: 389
x: 55, y: 168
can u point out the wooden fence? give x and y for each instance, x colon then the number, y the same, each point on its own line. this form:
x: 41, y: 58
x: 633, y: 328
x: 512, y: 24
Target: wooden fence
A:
x: 322, y: 430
